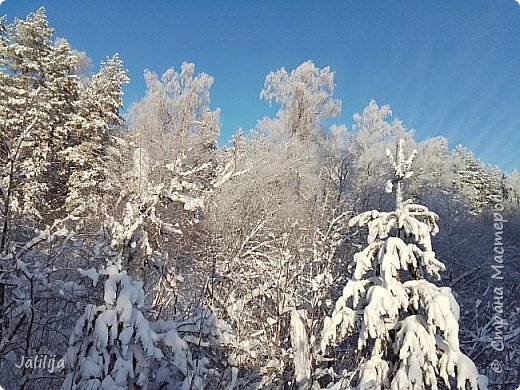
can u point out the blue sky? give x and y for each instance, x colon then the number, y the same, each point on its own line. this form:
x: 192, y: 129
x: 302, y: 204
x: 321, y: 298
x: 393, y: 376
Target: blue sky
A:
x: 447, y: 68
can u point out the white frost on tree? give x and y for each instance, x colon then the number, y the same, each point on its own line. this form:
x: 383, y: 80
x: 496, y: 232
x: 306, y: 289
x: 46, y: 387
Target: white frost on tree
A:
x: 174, y: 117
x: 305, y: 96
x: 93, y: 145
x: 408, y: 327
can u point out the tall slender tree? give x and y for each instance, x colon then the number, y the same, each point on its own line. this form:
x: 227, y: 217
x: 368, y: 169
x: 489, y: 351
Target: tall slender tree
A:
x: 93, y: 139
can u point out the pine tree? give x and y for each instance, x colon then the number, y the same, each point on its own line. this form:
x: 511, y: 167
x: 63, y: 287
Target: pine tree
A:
x: 471, y: 179
x: 93, y: 142
x: 25, y: 110
x: 38, y: 88
x: 56, y: 132
x: 513, y: 187
x: 408, y: 327
x: 63, y: 87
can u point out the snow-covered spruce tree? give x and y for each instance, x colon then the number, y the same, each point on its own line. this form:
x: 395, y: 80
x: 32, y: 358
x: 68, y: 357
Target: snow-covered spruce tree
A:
x: 372, y: 133
x: 112, y: 344
x: 408, y: 327
x: 513, y: 188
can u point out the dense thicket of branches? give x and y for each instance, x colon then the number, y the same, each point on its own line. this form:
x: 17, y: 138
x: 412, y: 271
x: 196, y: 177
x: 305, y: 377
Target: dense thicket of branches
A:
x: 147, y: 256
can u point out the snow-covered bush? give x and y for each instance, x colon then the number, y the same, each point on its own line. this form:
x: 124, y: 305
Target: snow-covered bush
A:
x: 32, y: 314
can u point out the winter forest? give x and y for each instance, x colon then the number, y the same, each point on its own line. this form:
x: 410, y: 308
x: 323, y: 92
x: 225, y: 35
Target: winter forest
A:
x: 138, y: 253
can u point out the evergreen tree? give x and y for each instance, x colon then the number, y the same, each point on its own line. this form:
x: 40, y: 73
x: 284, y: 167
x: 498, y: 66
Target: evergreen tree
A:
x: 372, y: 132
x: 38, y: 88
x: 112, y: 344
x: 513, y: 187
x: 408, y: 326
x: 93, y: 142
x: 29, y: 112
x: 474, y: 181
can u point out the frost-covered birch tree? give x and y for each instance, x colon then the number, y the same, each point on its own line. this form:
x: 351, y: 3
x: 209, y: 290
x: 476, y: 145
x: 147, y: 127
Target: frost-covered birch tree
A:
x: 408, y: 327
x: 372, y: 132
x: 305, y: 97
x: 174, y: 117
